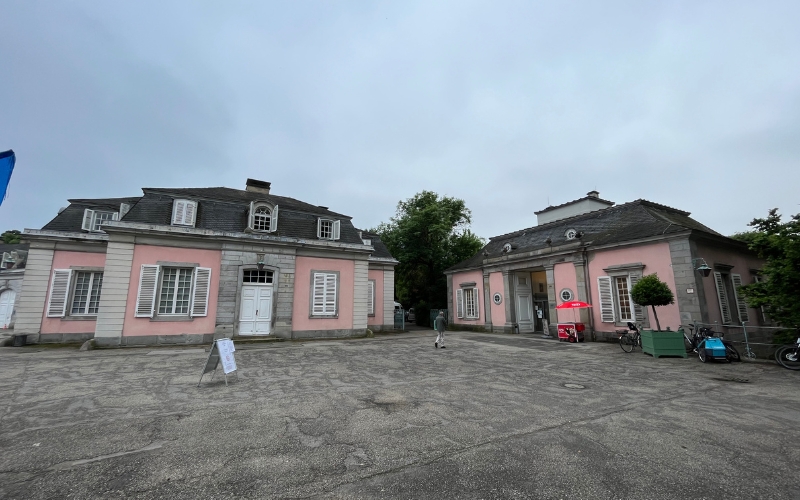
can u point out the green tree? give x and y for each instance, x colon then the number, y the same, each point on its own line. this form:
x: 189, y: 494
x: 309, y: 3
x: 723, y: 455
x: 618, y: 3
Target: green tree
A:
x: 11, y: 236
x: 428, y: 234
x: 651, y: 291
x: 778, y: 243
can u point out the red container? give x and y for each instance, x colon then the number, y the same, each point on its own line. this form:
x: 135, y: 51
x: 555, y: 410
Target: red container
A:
x: 571, y: 332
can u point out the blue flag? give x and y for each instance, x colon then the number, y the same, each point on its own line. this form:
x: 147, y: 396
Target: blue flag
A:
x: 7, y: 160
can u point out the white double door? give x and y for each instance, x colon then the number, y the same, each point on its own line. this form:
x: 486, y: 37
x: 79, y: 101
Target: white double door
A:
x: 6, y: 307
x: 255, y: 313
x: 524, y: 302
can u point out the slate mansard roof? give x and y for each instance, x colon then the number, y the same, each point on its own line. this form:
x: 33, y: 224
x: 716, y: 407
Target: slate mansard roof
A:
x: 218, y: 209
x: 636, y: 220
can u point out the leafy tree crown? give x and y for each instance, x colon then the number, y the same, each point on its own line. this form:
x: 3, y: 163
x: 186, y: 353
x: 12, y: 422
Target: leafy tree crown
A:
x: 651, y: 291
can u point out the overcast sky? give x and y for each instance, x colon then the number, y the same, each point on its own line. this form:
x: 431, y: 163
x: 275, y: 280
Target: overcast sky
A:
x: 508, y: 105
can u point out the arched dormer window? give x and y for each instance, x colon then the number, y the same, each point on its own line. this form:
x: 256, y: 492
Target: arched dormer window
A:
x: 263, y: 217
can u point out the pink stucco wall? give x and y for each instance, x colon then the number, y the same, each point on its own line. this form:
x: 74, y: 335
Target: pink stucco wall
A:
x: 377, y: 275
x: 656, y: 259
x: 742, y: 264
x: 302, y: 294
x: 496, y: 285
x: 564, y: 276
x: 147, y: 254
x: 468, y: 277
x: 65, y: 260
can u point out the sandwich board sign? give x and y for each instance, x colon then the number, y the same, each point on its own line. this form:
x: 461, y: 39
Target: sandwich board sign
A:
x: 221, y: 351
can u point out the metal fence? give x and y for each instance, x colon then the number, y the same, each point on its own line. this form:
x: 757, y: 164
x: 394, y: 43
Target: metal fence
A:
x: 399, y: 319
x: 434, y: 313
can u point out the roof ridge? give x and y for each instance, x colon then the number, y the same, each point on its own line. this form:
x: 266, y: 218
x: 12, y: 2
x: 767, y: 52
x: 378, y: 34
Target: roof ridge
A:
x: 560, y: 221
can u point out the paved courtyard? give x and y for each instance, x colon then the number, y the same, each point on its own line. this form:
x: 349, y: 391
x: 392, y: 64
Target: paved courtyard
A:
x: 492, y: 416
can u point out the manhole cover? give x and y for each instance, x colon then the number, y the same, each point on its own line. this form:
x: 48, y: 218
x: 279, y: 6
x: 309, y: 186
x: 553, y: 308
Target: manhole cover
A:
x: 574, y: 386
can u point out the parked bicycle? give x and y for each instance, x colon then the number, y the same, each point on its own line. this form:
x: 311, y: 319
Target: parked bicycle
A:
x: 630, y: 339
x: 696, y: 342
x: 788, y: 356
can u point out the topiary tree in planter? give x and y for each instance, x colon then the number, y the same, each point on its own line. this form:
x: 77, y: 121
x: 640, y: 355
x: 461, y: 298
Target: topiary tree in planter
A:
x: 651, y: 291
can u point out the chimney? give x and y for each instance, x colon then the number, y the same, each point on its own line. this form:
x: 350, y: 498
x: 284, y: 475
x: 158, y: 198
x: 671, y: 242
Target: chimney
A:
x: 256, y: 186
x: 593, y: 194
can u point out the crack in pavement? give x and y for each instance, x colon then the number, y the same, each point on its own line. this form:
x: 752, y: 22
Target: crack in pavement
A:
x: 74, y: 463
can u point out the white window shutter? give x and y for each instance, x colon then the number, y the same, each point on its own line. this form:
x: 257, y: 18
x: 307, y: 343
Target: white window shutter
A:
x: 178, y: 210
x: 318, y: 303
x: 722, y: 295
x: 251, y: 219
x: 477, y: 304
x: 638, y: 314
x: 606, y: 299
x: 336, y: 229
x: 460, y: 303
x: 273, y: 224
x: 191, y: 213
x: 59, y: 291
x: 146, y: 297
x: 202, y: 285
x: 319, y: 227
x: 330, y: 294
x: 744, y: 316
x: 370, y: 297
x: 88, y: 220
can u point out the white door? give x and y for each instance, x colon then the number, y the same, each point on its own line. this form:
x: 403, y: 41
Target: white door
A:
x: 524, y: 302
x: 255, y: 313
x: 6, y: 307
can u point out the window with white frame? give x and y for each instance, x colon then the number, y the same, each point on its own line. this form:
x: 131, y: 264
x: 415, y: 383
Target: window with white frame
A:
x: 256, y: 276
x: 467, y: 303
x: 173, y: 291
x: 86, y: 293
x: 371, y: 298
x: 176, y: 291
x: 93, y: 219
x: 184, y: 213
x: 616, y: 305
x: 328, y: 229
x: 74, y: 293
x: 263, y: 217
x: 324, y: 294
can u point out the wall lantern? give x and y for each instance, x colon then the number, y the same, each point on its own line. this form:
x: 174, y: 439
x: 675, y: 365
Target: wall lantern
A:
x: 260, y: 262
x: 703, y: 268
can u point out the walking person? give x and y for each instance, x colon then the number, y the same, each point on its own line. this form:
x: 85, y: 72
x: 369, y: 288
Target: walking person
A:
x: 440, y: 324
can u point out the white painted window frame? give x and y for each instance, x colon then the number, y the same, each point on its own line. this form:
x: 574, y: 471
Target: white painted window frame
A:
x: 93, y: 277
x: 93, y: 219
x: 333, y: 233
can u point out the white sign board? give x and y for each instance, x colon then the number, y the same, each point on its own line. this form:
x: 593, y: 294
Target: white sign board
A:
x: 226, y: 350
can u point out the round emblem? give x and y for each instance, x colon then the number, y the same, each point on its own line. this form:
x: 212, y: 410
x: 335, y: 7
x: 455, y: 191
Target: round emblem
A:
x: 498, y: 298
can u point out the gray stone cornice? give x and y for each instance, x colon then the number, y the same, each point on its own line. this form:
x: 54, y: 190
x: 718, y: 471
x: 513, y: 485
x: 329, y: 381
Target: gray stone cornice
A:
x: 138, y: 228
x: 41, y: 234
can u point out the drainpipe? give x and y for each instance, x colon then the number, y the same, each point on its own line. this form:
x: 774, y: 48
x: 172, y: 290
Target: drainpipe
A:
x: 588, y: 290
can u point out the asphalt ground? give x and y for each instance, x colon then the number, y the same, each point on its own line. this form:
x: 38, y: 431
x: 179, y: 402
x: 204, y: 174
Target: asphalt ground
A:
x: 491, y: 416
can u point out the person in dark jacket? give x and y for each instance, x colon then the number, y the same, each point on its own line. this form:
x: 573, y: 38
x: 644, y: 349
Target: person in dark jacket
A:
x: 440, y: 324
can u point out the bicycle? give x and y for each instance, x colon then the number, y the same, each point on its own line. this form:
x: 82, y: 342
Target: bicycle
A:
x: 628, y: 341
x: 788, y: 356
x: 696, y: 339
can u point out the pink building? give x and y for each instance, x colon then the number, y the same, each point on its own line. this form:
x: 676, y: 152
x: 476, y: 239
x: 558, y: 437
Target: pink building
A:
x: 189, y: 265
x: 593, y: 251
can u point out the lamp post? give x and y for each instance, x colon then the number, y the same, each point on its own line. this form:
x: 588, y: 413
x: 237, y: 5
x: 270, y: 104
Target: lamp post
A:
x: 703, y: 268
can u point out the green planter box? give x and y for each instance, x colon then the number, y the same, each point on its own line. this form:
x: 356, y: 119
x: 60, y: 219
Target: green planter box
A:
x: 663, y: 343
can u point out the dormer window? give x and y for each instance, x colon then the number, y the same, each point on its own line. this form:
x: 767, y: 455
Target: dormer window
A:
x: 184, y: 212
x: 328, y: 229
x: 263, y: 217
x: 93, y: 219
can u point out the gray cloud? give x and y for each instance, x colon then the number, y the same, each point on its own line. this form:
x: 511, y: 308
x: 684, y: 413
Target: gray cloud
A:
x: 356, y: 106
